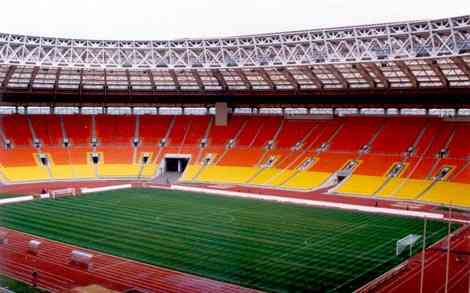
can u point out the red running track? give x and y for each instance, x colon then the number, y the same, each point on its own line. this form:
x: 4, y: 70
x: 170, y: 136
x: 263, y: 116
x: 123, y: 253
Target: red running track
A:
x: 36, y: 188
x: 408, y: 278
x: 56, y: 274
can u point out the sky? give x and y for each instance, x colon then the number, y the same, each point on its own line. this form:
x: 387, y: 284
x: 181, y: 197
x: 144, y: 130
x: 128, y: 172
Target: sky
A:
x: 177, y: 19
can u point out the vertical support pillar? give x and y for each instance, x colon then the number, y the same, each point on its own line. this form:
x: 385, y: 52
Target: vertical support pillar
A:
x: 221, y: 114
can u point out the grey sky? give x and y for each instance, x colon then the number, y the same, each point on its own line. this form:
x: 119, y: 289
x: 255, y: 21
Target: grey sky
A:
x: 172, y: 19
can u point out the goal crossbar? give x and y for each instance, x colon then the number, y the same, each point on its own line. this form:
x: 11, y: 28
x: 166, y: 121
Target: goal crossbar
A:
x: 63, y: 192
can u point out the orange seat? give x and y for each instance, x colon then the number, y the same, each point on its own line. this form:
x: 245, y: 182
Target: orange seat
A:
x: 79, y: 155
x: 18, y: 157
x: 331, y: 162
x: 59, y: 155
x: 376, y: 165
x: 116, y: 154
x: 245, y: 157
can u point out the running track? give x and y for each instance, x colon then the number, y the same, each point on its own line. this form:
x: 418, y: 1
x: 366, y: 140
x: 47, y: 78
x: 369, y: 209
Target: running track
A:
x: 408, y: 278
x: 56, y: 274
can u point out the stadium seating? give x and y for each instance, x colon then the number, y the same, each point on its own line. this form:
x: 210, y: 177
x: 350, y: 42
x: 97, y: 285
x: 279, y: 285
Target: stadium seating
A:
x: 18, y: 157
x: 249, y: 132
x: 114, y: 129
x: 305, y: 153
x: 153, y: 128
x: 267, y: 131
x: 397, y: 135
x: 31, y: 173
x: 78, y: 129
x: 362, y: 185
x: 306, y: 180
x: 241, y: 157
x: 355, y: 133
x: 117, y: 161
x: 47, y: 129
x: 198, y: 127
x: 226, y: 174
x: 449, y: 193
x: 294, y: 131
x: 220, y: 135
x: 59, y: 162
x: 16, y: 129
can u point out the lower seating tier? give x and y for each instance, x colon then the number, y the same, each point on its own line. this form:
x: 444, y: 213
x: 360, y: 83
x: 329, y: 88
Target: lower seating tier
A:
x: 439, y: 192
x: 25, y: 174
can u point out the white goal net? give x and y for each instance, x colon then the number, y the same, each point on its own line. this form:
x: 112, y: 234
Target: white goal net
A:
x: 406, y: 243
x: 64, y: 192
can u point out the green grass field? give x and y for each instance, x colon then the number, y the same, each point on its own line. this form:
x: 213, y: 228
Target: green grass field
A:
x: 15, y: 286
x: 258, y: 244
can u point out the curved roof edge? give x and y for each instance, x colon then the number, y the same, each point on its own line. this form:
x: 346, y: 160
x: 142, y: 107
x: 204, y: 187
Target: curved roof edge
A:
x: 375, y: 42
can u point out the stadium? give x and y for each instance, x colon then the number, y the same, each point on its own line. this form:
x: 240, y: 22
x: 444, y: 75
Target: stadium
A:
x: 323, y: 160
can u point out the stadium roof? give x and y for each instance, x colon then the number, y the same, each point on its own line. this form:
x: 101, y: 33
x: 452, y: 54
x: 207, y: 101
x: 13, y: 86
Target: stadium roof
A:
x: 418, y: 58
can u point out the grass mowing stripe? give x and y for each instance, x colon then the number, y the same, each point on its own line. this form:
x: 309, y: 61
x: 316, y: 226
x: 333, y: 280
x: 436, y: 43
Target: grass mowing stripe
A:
x: 133, y: 232
x: 270, y: 246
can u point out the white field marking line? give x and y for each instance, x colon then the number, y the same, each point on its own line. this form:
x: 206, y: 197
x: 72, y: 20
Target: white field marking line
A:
x: 385, y: 227
x: 224, y: 213
x: 157, y: 220
x: 379, y: 263
x: 17, y: 199
x: 267, y: 260
x: 217, y: 213
x: 309, y: 244
x: 374, y: 249
x: 363, y: 273
x: 317, y: 203
x: 85, y: 190
x: 359, y: 226
x: 360, y: 255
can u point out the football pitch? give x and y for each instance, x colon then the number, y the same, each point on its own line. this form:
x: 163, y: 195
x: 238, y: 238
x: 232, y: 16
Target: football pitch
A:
x: 258, y: 244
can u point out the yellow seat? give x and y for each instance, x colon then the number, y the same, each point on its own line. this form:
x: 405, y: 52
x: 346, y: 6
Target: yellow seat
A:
x: 449, y: 193
x: 281, y: 177
x: 149, y: 170
x: 62, y: 172
x: 30, y: 173
x: 190, y: 172
x: 118, y: 170
x: 403, y: 188
x: 361, y: 184
x: 307, y: 180
x: 226, y: 174
x: 264, y: 175
x: 83, y: 171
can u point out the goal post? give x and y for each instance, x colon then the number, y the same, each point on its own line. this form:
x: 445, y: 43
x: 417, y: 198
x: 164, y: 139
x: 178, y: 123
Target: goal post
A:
x: 64, y: 192
x: 406, y: 243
